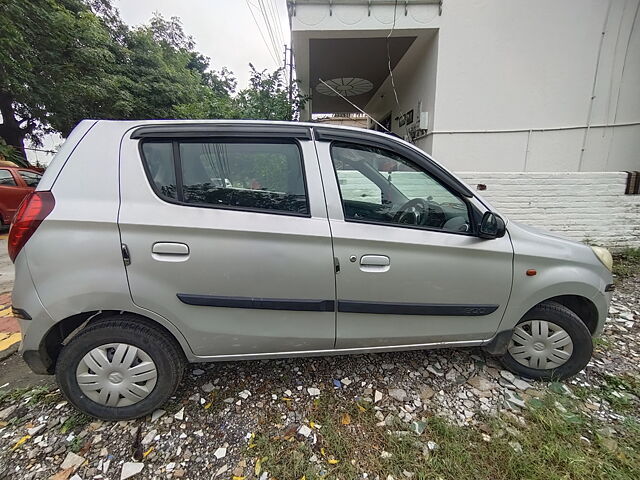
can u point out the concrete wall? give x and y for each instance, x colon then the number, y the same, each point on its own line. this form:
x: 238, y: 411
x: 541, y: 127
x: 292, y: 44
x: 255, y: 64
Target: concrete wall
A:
x: 583, y: 206
x: 523, y: 64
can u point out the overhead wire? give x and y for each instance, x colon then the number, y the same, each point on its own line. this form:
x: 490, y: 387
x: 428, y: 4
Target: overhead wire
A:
x: 269, y: 47
x: 276, y: 20
x: 269, y: 26
x: 353, y: 105
x: 393, y: 26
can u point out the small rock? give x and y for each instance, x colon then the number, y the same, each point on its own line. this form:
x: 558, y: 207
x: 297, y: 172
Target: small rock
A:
x: 72, y: 461
x: 207, y: 387
x: 157, y: 414
x: 427, y: 393
x: 314, y: 392
x: 33, y: 431
x: 377, y: 396
x: 398, y: 394
x: 179, y: 414
x: 513, y: 399
x: 516, y: 447
x: 481, y: 383
x: 223, y: 469
x: 418, y: 427
x: 521, y: 384
x: 220, y: 453
x: 148, y: 438
x: 304, y: 431
x: 4, y: 414
x: 385, y: 454
x: 197, y: 372
x: 507, y: 375
x: 129, y: 469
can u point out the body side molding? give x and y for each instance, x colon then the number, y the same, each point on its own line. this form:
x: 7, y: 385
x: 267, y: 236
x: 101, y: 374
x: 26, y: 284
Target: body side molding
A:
x: 345, y: 306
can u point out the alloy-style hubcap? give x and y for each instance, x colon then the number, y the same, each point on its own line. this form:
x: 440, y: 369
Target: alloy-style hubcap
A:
x: 540, y: 344
x: 116, y: 375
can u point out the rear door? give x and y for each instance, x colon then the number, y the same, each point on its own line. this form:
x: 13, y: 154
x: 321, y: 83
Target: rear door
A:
x: 228, y: 237
x: 411, y: 269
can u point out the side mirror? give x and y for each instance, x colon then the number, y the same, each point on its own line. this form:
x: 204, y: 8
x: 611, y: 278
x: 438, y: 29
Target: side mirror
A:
x: 492, y: 226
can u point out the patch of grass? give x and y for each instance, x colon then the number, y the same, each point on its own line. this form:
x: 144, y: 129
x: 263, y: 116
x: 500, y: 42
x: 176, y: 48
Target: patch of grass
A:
x: 75, y: 421
x: 622, y: 392
x: 602, y: 343
x: 76, y: 444
x: 551, y: 446
x: 626, y: 263
x: 35, y: 395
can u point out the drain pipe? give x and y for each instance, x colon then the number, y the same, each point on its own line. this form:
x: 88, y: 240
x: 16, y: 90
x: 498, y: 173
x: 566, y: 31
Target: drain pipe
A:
x: 593, y: 88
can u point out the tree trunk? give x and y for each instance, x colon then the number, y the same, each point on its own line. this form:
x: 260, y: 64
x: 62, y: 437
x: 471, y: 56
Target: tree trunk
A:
x: 10, y: 130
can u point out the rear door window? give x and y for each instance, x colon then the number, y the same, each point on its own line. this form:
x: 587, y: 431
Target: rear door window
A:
x: 6, y: 179
x: 30, y: 178
x: 249, y: 175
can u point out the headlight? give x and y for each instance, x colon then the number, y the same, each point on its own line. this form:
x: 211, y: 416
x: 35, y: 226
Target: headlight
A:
x: 604, y: 256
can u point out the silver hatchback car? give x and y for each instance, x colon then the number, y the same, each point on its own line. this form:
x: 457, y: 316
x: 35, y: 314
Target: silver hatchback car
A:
x: 149, y: 244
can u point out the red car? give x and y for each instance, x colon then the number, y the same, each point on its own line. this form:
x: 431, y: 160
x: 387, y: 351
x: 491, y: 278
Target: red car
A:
x: 15, y: 183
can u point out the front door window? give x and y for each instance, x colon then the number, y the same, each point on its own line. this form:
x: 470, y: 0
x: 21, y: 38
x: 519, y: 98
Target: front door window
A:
x: 378, y: 186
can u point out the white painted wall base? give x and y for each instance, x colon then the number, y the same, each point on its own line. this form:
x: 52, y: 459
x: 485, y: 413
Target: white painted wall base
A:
x: 588, y: 206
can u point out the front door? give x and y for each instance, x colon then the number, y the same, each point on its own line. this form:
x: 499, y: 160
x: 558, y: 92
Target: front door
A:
x: 228, y: 241
x: 411, y: 269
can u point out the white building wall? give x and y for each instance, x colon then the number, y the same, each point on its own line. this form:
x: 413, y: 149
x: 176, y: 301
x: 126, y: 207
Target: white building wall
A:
x: 526, y: 85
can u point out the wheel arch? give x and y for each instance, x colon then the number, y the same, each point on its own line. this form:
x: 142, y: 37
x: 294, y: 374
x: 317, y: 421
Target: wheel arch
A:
x: 583, y: 307
x: 59, y: 334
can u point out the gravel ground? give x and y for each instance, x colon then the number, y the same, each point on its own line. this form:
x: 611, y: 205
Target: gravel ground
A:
x: 206, y: 431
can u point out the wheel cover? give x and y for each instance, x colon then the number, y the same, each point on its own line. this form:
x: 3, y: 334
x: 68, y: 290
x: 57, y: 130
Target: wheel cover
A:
x: 540, y: 344
x: 116, y: 375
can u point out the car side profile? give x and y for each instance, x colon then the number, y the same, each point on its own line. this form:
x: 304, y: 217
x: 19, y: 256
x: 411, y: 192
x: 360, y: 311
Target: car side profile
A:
x: 199, y: 241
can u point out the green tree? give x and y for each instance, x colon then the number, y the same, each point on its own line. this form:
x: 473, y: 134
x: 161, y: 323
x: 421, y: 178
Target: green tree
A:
x: 267, y: 97
x: 65, y: 60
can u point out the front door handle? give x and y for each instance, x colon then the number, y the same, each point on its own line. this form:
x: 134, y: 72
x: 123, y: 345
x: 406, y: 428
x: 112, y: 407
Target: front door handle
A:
x: 172, y: 251
x: 375, y: 263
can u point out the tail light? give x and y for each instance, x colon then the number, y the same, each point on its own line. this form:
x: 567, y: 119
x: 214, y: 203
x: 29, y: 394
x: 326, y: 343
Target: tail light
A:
x: 32, y: 211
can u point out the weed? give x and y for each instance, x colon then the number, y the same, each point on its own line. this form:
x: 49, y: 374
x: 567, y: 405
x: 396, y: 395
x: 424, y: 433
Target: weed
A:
x: 557, y: 441
x: 75, y: 421
x: 626, y: 263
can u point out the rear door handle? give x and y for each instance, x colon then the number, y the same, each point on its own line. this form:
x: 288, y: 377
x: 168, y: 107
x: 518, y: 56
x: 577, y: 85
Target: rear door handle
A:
x: 375, y: 263
x: 165, y: 250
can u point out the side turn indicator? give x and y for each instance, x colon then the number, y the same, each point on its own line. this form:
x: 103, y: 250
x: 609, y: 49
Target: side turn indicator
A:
x: 531, y: 272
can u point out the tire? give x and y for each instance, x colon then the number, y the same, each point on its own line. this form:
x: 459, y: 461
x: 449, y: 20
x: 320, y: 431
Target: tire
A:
x: 557, y: 317
x: 152, y: 349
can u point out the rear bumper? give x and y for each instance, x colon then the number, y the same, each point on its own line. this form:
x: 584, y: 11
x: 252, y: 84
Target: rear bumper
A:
x: 33, y: 318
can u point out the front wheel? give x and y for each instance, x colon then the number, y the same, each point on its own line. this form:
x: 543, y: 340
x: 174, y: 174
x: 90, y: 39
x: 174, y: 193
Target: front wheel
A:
x: 119, y: 369
x: 549, y: 342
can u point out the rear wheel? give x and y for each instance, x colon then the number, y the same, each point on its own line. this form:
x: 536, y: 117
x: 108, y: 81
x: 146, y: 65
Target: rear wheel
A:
x: 118, y: 369
x: 549, y: 342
